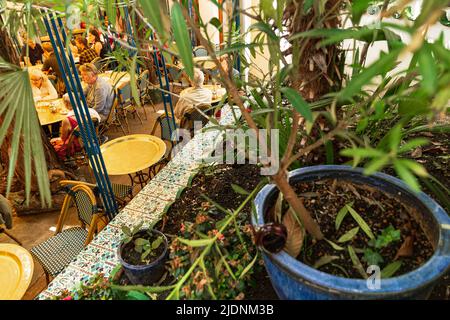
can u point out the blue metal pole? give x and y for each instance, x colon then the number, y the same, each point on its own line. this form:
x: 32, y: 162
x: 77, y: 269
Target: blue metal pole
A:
x: 166, y: 97
x: 81, y: 112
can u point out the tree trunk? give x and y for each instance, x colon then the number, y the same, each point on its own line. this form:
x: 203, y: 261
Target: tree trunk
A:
x: 317, y: 68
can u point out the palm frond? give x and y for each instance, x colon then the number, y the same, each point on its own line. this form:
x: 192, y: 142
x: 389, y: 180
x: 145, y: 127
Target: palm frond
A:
x: 19, y: 116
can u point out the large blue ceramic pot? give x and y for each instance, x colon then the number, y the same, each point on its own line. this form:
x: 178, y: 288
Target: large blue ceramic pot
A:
x: 292, y: 279
x: 145, y: 274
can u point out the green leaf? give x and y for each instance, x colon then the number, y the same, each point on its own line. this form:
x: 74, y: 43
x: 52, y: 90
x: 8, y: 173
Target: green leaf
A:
x: 415, y: 167
x: 136, y: 295
x: 356, y: 263
x: 182, y: 39
x: 196, y: 243
x: 412, y: 144
x: 248, y: 267
x: 298, y: 103
x: 390, y: 269
x: 324, y: 260
x: 133, y: 82
x: 264, y: 27
x: 341, y: 215
x: 372, y: 257
x: 348, y: 235
x: 216, y: 23
x: 153, y: 13
x: 376, y: 164
x: 334, y: 245
x: 140, y: 241
x: 362, y: 152
x: 157, y: 242
x: 387, y: 236
x: 382, y: 65
x: 359, y: 7
x: 395, y: 136
x: 428, y: 69
x: 364, y: 226
x: 307, y: 4
x: 239, y: 189
x: 404, y: 173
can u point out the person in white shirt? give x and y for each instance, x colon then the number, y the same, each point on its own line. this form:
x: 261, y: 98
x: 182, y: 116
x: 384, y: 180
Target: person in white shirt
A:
x: 196, y: 96
x: 41, y: 86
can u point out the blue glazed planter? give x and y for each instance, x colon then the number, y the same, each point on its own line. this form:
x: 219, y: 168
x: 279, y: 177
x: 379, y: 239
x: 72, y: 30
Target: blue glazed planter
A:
x: 146, y: 274
x: 294, y: 280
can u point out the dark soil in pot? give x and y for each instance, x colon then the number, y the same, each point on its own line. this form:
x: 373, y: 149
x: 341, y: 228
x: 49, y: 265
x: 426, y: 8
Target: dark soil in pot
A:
x: 325, y: 198
x: 215, y: 182
x: 131, y: 256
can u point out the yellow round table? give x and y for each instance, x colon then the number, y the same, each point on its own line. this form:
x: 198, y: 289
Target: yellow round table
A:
x: 16, y: 271
x: 216, y: 98
x: 132, y: 154
x: 45, y: 114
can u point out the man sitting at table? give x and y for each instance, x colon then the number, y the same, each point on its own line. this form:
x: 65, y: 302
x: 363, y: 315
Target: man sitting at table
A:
x: 198, y: 95
x: 41, y: 86
x: 86, y: 54
x: 99, y: 92
x: 34, y: 51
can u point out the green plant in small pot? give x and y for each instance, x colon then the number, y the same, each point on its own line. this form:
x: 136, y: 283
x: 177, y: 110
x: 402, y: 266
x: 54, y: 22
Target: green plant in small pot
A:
x: 143, y: 253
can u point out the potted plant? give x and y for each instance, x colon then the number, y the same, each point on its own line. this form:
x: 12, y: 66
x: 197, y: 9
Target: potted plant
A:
x: 143, y: 253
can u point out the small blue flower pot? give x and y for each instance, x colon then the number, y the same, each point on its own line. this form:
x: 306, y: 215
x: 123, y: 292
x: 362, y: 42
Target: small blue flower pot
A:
x: 146, y: 274
x: 294, y: 280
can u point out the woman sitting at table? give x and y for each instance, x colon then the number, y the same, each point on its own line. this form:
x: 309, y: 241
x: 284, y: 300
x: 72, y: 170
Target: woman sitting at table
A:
x: 41, y: 86
x: 62, y: 144
x: 196, y: 96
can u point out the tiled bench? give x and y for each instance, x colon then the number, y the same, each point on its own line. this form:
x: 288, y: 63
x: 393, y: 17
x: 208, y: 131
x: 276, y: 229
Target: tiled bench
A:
x: 148, y: 206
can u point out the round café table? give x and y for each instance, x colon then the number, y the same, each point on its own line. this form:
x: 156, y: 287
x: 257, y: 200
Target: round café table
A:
x: 47, y: 115
x: 216, y: 98
x: 131, y: 154
x: 16, y: 271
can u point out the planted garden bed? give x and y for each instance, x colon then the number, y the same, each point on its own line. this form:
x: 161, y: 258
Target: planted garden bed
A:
x: 192, y: 214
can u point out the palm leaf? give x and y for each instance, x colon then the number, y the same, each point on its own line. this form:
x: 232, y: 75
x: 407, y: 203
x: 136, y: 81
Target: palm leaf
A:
x: 19, y: 115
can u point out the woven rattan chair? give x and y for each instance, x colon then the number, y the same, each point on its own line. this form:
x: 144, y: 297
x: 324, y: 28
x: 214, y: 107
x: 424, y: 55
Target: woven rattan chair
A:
x: 58, y: 251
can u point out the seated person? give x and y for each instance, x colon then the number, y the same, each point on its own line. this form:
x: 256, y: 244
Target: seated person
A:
x: 41, y: 86
x: 86, y: 54
x: 99, y: 92
x: 96, y: 44
x: 225, y: 62
x: 196, y: 96
x: 35, y: 51
x: 50, y: 61
x: 62, y: 144
x: 51, y: 66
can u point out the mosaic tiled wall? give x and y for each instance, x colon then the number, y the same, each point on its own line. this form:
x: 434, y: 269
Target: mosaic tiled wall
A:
x: 148, y: 206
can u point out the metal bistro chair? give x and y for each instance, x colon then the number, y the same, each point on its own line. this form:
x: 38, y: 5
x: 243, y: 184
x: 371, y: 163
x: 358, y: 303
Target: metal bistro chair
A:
x: 123, y: 193
x: 58, y: 251
x: 193, y: 115
x: 178, y: 77
x: 112, y: 119
x: 166, y: 125
x: 126, y: 104
x: 200, y: 51
x: 144, y: 91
